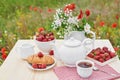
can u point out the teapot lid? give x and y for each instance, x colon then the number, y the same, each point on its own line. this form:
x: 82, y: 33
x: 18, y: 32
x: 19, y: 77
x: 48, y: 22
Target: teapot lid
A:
x: 72, y: 42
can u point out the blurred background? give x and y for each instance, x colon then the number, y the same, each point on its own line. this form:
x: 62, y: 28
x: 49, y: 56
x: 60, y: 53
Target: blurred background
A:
x: 20, y: 19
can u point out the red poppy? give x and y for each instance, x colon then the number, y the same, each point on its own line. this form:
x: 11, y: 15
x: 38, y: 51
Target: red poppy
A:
x: 117, y: 16
x: 50, y: 10
x: 80, y: 15
x: 116, y: 48
x: 35, y: 9
x: 40, y: 10
x: 102, y: 23
x: 114, y: 25
x: 4, y: 56
x: 31, y: 8
x: 3, y: 50
x: 87, y: 12
x: 41, y: 29
x: 69, y: 7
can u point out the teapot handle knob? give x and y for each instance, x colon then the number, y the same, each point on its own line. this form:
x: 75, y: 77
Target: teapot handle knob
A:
x: 88, y: 44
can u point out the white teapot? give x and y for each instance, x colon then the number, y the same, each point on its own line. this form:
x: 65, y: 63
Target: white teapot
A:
x: 72, y: 50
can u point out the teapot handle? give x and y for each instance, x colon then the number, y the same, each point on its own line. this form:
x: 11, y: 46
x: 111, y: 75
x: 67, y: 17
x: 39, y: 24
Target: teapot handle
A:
x: 88, y: 44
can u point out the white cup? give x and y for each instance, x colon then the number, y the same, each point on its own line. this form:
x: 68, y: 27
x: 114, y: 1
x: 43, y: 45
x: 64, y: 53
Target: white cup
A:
x: 84, y: 72
x: 25, y: 50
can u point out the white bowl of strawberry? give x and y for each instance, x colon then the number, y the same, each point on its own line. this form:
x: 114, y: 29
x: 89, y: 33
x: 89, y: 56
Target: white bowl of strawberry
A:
x: 102, y: 56
x: 44, y: 41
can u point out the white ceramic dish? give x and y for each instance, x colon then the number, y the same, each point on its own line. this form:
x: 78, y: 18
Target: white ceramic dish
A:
x: 104, y: 63
x: 48, y: 67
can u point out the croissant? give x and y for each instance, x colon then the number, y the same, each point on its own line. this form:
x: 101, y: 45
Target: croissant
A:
x: 35, y: 59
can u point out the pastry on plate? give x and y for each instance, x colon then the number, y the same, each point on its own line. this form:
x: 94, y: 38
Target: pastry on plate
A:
x: 45, y: 59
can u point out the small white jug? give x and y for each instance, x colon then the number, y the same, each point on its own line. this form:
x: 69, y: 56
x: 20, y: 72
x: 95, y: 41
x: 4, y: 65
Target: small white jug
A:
x: 25, y: 50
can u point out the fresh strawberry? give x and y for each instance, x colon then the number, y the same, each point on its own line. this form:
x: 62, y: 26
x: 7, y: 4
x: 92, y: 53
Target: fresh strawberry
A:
x: 43, y: 66
x: 44, y: 40
x: 101, y: 60
x: 112, y: 54
x: 107, y: 58
x: 96, y: 57
x: 106, y: 54
x: 40, y: 54
x: 52, y: 37
x: 39, y: 39
x: 51, y: 52
x: 91, y: 55
x: 105, y: 49
x: 35, y: 66
x: 40, y: 66
x: 102, y: 55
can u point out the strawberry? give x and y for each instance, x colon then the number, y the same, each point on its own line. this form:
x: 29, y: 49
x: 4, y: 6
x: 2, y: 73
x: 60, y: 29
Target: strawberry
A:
x: 101, y: 60
x: 112, y: 54
x: 91, y: 55
x: 40, y: 54
x: 96, y: 57
x: 106, y: 54
x: 51, y: 52
x: 44, y: 40
x: 39, y: 66
x: 52, y: 37
x: 105, y: 49
x: 107, y: 58
x: 43, y: 66
x: 35, y: 66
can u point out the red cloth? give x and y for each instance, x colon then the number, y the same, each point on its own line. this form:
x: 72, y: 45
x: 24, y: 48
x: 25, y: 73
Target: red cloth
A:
x: 67, y: 73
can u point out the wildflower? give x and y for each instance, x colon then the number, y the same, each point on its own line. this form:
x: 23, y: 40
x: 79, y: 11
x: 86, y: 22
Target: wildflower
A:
x: 69, y: 7
x: 3, y: 50
x: 41, y: 29
x: 35, y: 9
x: 87, y: 12
x: 87, y: 28
x: 40, y: 10
x: 4, y: 55
x: 102, y: 23
x: 50, y: 10
x: 80, y: 15
x: 114, y: 25
x: 116, y: 48
x: 117, y: 16
x: 31, y: 8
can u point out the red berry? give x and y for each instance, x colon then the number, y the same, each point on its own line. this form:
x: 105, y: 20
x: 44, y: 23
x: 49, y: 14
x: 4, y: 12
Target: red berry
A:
x: 52, y: 37
x: 91, y: 55
x: 105, y: 49
x: 44, y: 40
x: 106, y: 54
x: 35, y: 66
x: 51, y: 52
x: 43, y: 66
x: 40, y: 66
x: 107, y: 58
x: 96, y: 57
x: 101, y: 60
x: 112, y: 54
x: 40, y: 54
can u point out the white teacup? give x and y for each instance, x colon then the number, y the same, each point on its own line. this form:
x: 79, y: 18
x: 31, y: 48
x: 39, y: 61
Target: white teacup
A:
x: 25, y: 50
x: 84, y: 68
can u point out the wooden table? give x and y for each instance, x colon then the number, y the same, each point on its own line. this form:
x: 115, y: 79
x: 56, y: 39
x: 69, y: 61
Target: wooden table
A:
x: 14, y: 68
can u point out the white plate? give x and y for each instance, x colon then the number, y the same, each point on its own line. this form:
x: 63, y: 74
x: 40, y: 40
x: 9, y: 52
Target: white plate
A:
x: 47, y: 67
